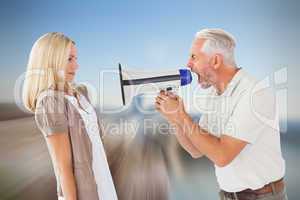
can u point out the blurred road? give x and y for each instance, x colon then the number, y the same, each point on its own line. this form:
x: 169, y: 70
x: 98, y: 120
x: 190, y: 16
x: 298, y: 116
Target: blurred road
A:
x: 26, y: 171
x: 25, y: 166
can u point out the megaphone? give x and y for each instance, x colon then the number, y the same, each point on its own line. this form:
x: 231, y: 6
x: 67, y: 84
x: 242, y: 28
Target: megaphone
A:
x: 135, y: 83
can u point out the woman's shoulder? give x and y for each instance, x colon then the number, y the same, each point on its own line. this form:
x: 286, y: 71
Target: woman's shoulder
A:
x: 50, y: 99
x: 51, y: 112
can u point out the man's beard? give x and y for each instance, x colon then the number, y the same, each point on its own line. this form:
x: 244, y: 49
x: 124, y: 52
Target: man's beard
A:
x: 203, y: 83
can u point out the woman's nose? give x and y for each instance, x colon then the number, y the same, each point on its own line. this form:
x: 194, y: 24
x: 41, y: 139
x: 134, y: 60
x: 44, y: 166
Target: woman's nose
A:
x: 76, y: 66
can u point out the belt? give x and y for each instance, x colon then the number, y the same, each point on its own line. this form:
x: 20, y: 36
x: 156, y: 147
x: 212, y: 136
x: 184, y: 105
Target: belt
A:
x: 249, y: 194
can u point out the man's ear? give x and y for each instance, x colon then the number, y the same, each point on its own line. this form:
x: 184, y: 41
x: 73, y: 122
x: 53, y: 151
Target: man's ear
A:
x: 217, y: 61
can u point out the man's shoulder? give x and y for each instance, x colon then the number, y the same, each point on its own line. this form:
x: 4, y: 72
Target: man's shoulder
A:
x: 245, y: 84
x: 255, y: 93
x: 248, y: 79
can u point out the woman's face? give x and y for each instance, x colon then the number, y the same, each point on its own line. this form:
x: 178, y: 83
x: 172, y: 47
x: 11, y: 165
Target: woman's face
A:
x: 72, y: 65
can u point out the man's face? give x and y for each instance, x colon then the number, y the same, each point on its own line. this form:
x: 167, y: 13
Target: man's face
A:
x: 199, y: 63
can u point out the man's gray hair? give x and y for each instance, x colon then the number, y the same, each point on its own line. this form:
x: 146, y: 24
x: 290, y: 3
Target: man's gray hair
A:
x: 218, y: 41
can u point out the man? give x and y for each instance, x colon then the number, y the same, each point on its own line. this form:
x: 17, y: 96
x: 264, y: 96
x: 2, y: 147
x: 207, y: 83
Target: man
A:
x: 239, y: 132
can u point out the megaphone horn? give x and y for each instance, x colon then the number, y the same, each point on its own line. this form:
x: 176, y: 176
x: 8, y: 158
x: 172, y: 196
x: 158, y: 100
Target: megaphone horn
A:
x: 166, y: 80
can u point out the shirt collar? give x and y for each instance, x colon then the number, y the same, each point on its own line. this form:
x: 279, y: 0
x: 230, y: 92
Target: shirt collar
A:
x: 233, y: 83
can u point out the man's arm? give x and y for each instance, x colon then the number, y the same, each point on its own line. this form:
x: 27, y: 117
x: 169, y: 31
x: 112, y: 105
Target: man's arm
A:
x: 221, y: 150
x: 185, y: 142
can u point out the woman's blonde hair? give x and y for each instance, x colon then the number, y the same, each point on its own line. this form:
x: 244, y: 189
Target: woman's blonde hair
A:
x: 45, y: 70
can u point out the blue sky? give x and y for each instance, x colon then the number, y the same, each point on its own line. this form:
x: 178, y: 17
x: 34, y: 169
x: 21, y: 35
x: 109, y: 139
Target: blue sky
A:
x: 152, y: 35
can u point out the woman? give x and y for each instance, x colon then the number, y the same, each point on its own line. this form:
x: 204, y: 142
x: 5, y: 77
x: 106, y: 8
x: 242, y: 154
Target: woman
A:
x: 67, y: 120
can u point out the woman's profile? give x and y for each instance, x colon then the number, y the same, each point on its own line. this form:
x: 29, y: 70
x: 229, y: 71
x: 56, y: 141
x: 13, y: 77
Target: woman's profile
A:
x: 67, y: 120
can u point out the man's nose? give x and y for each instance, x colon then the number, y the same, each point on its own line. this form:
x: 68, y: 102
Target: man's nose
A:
x: 189, y: 64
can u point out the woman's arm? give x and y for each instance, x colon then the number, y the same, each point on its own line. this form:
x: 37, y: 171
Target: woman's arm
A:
x: 60, y: 151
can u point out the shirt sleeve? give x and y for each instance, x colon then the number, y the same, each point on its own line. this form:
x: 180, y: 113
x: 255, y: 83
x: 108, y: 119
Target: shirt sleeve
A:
x: 203, y: 122
x: 251, y: 116
x: 51, y: 115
